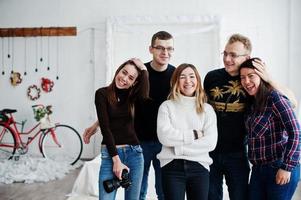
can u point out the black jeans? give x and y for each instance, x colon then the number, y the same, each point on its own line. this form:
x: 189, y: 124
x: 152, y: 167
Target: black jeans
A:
x: 235, y: 168
x: 180, y: 176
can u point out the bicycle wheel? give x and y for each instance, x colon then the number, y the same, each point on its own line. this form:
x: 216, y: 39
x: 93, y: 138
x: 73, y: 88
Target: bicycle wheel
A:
x: 7, y: 143
x: 63, y: 144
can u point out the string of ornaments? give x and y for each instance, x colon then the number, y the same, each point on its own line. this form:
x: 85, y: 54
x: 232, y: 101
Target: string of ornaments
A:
x: 8, y: 48
x: 33, y: 91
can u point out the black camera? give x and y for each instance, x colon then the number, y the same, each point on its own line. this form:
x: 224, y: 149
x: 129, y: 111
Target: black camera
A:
x: 114, y: 184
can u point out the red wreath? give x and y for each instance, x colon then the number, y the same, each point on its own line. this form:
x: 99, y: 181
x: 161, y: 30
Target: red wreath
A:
x: 47, y: 85
x: 33, y: 89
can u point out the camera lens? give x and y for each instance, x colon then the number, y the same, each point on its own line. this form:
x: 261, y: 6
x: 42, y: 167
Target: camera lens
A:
x: 111, y: 185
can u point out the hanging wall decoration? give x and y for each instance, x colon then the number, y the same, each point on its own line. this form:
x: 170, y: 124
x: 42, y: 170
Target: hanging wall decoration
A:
x: 8, y: 47
x: 48, y: 53
x: 2, y: 55
x: 25, y: 56
x: 8, y: 50
x: 37, y: 34
x: 41, y: 46
x: 47, y: 85
x: 15, y: 78
x: 36, y: 58
x: 33, y: 92
x: 12, y: 56
x: 57, y: 57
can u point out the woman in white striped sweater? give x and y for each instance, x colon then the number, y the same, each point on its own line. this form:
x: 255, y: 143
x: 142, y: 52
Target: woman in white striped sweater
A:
x: 187, y: 129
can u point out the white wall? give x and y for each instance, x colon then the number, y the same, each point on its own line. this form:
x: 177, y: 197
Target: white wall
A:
x: 295, y: 49
x: 272, y: 25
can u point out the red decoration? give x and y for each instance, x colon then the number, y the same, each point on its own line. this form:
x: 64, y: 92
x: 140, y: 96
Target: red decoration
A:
x: 47, y: 85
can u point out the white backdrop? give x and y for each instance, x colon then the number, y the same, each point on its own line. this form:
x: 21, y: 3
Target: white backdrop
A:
x: 129, y: 37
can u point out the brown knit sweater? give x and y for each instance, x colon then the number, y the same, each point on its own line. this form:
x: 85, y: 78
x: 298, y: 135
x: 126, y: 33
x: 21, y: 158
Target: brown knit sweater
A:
x: 116, y: 124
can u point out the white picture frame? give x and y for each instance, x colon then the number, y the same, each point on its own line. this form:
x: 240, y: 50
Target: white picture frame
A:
x: 197, y: 40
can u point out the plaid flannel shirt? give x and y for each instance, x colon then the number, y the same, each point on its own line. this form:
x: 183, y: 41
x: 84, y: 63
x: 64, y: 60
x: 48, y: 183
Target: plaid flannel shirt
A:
x: 274, y: 134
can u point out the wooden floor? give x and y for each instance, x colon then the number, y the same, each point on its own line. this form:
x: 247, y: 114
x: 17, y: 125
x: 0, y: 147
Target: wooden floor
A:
x: 55, y: 189
x: 52, y: 190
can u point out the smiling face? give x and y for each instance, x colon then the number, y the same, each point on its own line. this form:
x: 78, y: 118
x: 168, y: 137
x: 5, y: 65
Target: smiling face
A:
x: 126, y: 77
x: 188, y: 82
x: 250, y: 80
x: 234, y: 54
x: 162, y: 51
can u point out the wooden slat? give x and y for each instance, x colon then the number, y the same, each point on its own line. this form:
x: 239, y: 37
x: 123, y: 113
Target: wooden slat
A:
x: 37, y: 31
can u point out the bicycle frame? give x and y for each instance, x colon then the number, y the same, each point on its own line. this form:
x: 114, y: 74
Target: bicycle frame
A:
x: 12, y: 125
x: 54, y: 138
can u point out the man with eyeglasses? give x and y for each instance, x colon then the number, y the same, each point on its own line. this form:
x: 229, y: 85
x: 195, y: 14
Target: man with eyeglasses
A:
x: 160, y: 72
x: 228, y: 99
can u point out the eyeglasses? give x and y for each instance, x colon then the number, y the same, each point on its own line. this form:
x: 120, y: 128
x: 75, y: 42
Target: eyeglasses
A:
x: 162, y: 49
x: 232, y: 55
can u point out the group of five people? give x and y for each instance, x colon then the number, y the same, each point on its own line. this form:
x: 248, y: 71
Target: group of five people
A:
x: 194, y: 136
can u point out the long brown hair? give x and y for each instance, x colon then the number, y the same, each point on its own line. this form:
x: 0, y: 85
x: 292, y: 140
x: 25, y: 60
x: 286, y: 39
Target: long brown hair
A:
x: 140, y: 88
x: 259, y: 101
x: 199, y: 92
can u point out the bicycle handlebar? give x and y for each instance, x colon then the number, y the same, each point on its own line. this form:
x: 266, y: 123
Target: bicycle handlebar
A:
x: 38, y: 105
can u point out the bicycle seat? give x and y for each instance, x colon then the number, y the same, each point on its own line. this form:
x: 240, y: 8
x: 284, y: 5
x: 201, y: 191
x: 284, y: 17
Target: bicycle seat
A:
x: 8, y: 111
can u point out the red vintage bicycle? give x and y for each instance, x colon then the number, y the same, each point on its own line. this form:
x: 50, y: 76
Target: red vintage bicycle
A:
x: 56, y: 141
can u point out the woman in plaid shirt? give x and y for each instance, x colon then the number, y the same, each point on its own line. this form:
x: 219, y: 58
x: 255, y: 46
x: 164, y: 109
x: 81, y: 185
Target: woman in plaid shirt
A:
x: 273, y: 137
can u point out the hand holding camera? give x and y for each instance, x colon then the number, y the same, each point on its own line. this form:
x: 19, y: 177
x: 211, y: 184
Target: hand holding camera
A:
x: 114, y: 184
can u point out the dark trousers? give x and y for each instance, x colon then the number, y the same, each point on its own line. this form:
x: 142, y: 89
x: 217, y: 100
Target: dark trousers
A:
x: 235, y: 168
x: 263, y: 183
x: 180, y: 176
x: 150, y: 151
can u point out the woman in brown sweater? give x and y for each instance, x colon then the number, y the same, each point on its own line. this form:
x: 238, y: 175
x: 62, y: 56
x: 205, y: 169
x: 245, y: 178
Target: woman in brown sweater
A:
x: 115, y: 111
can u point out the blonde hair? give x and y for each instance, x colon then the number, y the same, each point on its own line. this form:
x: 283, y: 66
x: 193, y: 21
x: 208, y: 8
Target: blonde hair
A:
x: 243, y: 39
x: 199, y: 92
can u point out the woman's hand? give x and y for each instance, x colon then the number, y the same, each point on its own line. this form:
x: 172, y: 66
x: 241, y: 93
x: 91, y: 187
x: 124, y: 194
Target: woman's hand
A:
x: 261, y: 70
x: 198, y: 134
x: 139, y: 63
x: 118, y: 167
x: 283, y: 177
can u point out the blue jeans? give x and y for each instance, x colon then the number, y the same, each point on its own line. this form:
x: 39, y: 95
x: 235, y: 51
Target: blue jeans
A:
x: 150, y: 151
x: 235, y: 168
x: 263, y: 185
x: 184, y: 176
x: 132, y: 157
